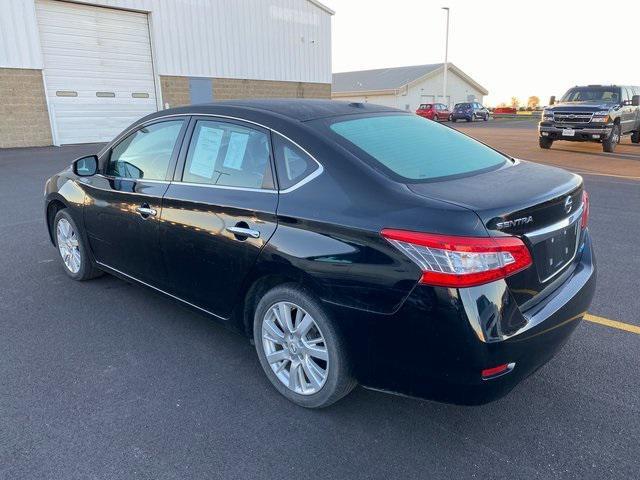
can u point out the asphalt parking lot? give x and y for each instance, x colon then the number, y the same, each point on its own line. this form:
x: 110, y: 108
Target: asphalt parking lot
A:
x: 109, y: 380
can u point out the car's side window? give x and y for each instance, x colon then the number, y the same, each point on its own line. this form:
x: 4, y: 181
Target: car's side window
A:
x: 292, y: 163
x: 222, y: 153
x: 146, y: 153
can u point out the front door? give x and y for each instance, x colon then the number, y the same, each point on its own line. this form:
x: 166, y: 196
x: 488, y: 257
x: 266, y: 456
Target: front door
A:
x: 218, y: 213
x: 125, y: 201
x: 628, y: 118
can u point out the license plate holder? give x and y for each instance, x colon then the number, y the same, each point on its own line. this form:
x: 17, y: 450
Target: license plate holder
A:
x: 568, y: 132
x: 557, y: 251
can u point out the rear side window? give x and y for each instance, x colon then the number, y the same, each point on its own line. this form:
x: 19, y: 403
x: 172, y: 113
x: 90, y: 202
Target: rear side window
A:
x: 292, y: 164
x: 222, y: 153
x: 415, y: 149
x: 146, y: 153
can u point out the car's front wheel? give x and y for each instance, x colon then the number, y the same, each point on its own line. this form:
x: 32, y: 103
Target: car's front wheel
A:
x: 300, y: 349
x: 73, y: 252
x: 545, y: 142
x: 609, y: 143
x: 635, y: 137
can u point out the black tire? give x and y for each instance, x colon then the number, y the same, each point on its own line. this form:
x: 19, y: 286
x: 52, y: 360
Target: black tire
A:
x: 470, y: 119
x: 339, y: 380
x: 635, y: 137
x: 454, y: 120
x: 609, y: 143
x: 486, y: 117
x: 88, y: 268
x: 545, y: 142
x: 450, y: 118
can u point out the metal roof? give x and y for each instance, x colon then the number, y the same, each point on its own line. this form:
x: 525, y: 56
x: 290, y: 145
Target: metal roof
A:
x: 322, y: 6
x: 390, y: 78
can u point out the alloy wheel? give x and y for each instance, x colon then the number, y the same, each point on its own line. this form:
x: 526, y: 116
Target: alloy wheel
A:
x: 68, y: 245
x: 295, y: 348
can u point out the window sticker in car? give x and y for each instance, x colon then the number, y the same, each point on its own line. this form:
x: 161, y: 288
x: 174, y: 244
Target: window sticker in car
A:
x: 236, y: 150
x: 206, y: 151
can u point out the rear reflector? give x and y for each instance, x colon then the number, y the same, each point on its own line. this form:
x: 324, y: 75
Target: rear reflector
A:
x: 584, y: 221
x: 493, y: 372
x: 449, y: 261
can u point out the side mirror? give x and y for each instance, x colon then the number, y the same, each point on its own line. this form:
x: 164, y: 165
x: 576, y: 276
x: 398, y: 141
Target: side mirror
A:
x: 85, y: 166
x: 552, y: 100
x: 635, y: 100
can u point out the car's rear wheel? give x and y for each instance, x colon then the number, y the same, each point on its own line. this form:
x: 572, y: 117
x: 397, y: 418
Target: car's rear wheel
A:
x: 545, y: 142
x: 75, y: 257
x: 300, y: 349
x: 635, y: 137
x: 470, y: 119
x: 609, y: 143
x: 486, y: 117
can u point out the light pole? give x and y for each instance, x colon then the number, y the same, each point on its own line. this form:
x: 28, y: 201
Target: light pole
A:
x: 446, y: 66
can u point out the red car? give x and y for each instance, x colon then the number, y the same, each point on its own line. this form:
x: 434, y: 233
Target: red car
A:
x: 434, y: 111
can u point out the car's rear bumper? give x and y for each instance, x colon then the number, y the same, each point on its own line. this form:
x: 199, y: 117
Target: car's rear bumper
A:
x: 431, y: 348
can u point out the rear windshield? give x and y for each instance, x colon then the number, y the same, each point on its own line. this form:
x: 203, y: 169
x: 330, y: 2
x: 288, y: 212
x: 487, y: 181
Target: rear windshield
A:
x: 416, y: 149
x: 425, y: 106
x: 462, y: 105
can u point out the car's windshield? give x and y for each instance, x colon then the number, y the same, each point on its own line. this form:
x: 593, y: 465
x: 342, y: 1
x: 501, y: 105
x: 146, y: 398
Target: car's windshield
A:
x: 591, y: 94
x: 415, y: 149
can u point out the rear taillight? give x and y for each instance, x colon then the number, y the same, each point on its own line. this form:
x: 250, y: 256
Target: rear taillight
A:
x: 449, y: 261
x: 584, y: 221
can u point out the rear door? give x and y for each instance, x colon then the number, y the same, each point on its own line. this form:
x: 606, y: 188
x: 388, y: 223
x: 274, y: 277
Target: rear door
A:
x: 636, y: 109
x: 444, y: 112
x: 628, y: 119
x: 219, y: 211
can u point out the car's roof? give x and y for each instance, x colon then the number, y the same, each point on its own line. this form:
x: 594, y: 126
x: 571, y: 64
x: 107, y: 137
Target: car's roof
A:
x: 294, y: 109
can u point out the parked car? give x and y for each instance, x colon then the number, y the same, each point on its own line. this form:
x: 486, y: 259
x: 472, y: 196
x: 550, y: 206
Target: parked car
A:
x: 469, y: 111
x: 352, y: 242
x: 434, y: 111
x: 593, y: 113
x: 505, y: 110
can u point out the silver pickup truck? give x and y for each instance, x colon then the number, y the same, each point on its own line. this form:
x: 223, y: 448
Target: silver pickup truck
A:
x: 593, y: 113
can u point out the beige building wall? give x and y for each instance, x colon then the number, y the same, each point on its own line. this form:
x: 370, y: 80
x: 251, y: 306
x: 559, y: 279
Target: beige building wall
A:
x: 175, y: 90
x: 24, y: 119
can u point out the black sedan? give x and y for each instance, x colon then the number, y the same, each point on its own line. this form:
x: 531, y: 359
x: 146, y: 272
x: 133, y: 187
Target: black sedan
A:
x: 350, y: 242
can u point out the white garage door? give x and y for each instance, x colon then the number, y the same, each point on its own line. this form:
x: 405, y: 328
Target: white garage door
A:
x: 97, y: 69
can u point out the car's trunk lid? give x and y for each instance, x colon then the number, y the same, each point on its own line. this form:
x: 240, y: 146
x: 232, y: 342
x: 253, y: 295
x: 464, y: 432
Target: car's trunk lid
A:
x: 537, y: 203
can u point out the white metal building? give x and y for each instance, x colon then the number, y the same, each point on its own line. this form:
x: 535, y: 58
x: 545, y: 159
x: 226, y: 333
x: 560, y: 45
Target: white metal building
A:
x: 407, y: 87
x: 81, y: 71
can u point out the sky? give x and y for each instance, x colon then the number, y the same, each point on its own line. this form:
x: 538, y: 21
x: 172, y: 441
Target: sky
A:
x: 513, y: 48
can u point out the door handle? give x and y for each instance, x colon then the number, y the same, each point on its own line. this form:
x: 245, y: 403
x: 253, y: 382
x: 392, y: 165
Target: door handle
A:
x: 146, y: 211
x: 244, y: 232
